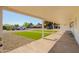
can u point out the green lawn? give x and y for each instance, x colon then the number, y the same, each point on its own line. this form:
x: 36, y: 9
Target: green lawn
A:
x: 34, y: 34
x: 45, y: 30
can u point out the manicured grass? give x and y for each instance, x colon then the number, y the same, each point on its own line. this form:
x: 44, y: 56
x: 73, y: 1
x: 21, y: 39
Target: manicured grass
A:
x: 35, y: 34
x: 45, y: 30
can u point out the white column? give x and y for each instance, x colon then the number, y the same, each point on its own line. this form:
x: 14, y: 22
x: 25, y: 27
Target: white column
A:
x: 42, y: 29
x: 1, y: 42
x: 0, y: 22
x: 53, y: 25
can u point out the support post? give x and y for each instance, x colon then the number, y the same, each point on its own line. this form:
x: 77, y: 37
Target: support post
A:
x: 1, y: 41
x: 53, y: 25
x: 0, y: 21
x: 42, y: 29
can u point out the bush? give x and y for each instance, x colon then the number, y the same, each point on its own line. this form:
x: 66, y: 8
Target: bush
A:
x: 7, y: 27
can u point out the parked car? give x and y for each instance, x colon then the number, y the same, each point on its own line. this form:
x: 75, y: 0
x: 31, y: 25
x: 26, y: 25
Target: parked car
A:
x: 19, y: 28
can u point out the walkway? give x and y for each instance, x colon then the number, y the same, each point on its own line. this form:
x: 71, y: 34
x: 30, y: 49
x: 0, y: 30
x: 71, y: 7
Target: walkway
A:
x: 66, y: 44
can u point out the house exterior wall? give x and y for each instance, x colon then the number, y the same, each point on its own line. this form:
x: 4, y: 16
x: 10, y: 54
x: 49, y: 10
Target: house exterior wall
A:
x: 75, y: 29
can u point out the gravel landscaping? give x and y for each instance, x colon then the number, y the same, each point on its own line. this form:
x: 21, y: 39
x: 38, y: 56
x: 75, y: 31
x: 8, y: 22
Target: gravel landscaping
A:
x: 11, y: 41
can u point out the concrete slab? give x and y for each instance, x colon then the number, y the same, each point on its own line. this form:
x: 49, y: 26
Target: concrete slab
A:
x: 66, y: 44
x: 40, y: 46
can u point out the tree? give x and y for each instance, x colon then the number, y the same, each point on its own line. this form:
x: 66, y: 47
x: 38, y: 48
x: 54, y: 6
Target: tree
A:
x: 31, y: 25
x: 48, y: 25
x: 16, y: 25
x: 7, y: 27
x: 4, y: 27
x: 26, y: 24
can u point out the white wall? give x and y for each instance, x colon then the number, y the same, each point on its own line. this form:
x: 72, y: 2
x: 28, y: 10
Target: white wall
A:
x: 76, y: 35
x: 65, y: 27
x: 75, y: 30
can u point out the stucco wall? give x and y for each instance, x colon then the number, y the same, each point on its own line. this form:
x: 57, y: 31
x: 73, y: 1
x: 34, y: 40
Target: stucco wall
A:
x: 0, y: 22
x: 75, y: 29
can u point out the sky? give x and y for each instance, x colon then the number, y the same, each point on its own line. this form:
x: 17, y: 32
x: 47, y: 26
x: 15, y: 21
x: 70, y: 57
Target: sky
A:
x: 12, y: 18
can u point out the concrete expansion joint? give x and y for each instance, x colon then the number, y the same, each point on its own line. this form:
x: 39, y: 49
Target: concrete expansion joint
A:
x: 50, y: 39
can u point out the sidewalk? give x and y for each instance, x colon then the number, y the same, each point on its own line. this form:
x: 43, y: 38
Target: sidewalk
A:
x: 41, y: 45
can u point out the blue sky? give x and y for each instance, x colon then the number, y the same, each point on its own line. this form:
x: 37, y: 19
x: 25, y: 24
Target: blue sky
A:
x: 12, y: 18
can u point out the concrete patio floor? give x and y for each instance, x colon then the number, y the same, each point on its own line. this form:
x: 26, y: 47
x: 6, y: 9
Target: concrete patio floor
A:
x: 66, y: 44
x: 41, y: 45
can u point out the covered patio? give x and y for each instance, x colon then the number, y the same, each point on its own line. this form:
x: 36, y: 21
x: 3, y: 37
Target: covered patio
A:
x: 66, y: 16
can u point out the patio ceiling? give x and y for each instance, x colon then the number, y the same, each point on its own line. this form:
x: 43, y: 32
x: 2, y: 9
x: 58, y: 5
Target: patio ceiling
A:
x: 59, y: 14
